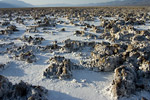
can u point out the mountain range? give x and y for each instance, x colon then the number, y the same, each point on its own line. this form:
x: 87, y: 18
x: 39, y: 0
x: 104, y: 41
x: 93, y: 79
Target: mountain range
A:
x: 19, y: 4
x: 14, y: 4
x: 6, y: 5
x: 125, y: 3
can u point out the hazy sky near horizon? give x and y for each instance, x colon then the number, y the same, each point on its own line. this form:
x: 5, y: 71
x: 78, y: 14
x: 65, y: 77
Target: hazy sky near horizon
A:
x: 41, y: 2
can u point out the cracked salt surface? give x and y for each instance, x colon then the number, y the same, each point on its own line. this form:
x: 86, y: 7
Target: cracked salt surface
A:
x: 85, y: 84
x: 91, y: 89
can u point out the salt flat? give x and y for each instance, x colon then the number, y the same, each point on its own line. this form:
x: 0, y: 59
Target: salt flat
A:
x: 40, y: 43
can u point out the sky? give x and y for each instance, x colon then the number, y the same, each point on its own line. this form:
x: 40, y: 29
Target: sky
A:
x: 41, y: 2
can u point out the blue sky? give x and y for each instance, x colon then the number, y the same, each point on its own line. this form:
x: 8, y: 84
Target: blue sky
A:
x: 40, y: 2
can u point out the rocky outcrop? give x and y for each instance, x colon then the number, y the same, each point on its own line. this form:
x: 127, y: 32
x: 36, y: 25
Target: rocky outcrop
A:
x: 23, y: 53
x: 21, y: 91
x: 32, y: 40
x: 72, y: 45
x: 59, y: 67
x: 29, y: 57
x: 107, y: 57
x: 124, y: 83
x: 32, y: 29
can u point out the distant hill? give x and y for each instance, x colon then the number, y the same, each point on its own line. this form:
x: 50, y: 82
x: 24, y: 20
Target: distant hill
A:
x: 112, y: 3
x: 18, y: 4
x: 14, y: 4
x: 6, y: 5
x: 56, y: 5
x: 126, y: 3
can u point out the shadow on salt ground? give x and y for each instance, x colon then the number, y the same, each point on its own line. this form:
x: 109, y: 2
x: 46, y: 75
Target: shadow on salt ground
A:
x: 60, y: 26
x: 46, y: 42
x: 42, y: 60
x: 56, y: 95
x: 18, y: 34
x: 90, y: 76
x: 13, y: 70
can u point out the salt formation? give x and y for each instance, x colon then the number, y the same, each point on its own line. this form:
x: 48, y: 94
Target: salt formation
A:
x: 2, y: 66
x: 23, y: 53
x: 107, y: 57
x: 21, y: 91
x: 103, y: 39
x: 72, y: 45
x: 8, y: 30
x: 79, y: 33
x: 27, y: 56
x: 59, y: 68
x: 12, y: 28
x: 83, y: 34
x: 32, y: 40
x: 127, y: 54
x: 124, y: 81
x: 32, y: 29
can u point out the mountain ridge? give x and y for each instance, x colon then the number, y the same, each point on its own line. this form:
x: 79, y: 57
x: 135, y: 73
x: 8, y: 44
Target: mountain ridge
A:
x: 20, y: 4
x: 112, y: 3
x: 6, y: 5
x: 14, y: 4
